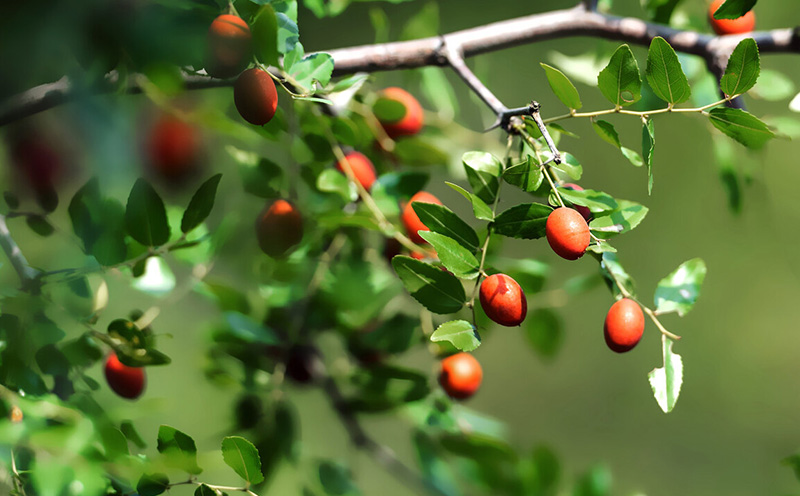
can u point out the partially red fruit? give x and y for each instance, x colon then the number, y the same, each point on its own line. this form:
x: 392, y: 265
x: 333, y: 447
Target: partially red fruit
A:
x: 584, y: 211
x: 624, y: 325
x: 127, y: 382
x: 460, y: 375
x: 503, y: 300
x: 411, y: 123
x: 229, y: 46
x: 410, y: 218
x: 279, y: 228
x: 568, y: 233
x: 173, y: 148
x: 255, y: 96
x: 362, y: 168
x: 743, y: 24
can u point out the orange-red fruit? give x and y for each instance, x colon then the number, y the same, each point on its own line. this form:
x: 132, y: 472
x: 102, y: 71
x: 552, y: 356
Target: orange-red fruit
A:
x: 228, y: 46
x: 255, y: 96
x: 460, y: 375
x: 584, y: 211
x: 279, y: 228
x: 362, y: 168
x: 411, y: 219
x: 411, y: 122
x: 127, y: 382
x: 743, y: 24
x: 568, y: 233
x: 173, y: 148
x: 624, y: 325
x: 503, y: 300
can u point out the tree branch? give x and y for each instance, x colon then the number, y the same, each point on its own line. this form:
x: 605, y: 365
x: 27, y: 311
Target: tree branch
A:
x: 27, y: 274
x: 577, y: 21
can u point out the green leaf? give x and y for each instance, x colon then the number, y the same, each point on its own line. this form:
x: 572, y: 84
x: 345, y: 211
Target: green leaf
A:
x: 248, y: 330
x: 614, y: 274
x: 666, y: 381
x: 679, y: 291
x: 288, y: 34
x: 774, y: 86
x: 734, y: 9
x: 132, y: 434
x: 40, y: 225
x: 435, y: 468
x: 459, y: 333
x: 793, y: 461
x: 349, y: 82
x: 179, y: 449
x: 201, y: 204
x: 420, y: 151
x: 442, y: 220
x: 595, y: 482
x: 743, y: 68
x: 457, y: 259
x: 620, y: 82
x: 525, y: 175
x: 741, y: 126
x: 385, y: 387
x: 316, y: 67
x: 145, y: 215
x: 439, y: 92
x: 544, y: 472
x: 544, y: 332
x: 625, y: 218
x: 204, y: 490
x: 595, y: 201
x: 438, y: 291
x: 481, y: 210
x: 423, y: 24
x: 483, y: 170
x: 333, y: 181
x: 240, y: 455
x: 569, y: 165
x: 526, y: 221
x: 562, y: 87
x: 264, y: 31
x: 336, y: 479
x: 388, y: 109
x: 664, y: 73
x: 606, y: 130
x: 648, y: 145
x: 152, y: 484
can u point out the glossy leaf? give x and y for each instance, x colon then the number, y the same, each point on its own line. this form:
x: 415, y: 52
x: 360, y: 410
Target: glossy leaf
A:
x: 569, y: 165
x: 152, y: 484
x: 483, y: 171
x: 595, y: 201
x: 457, y: 259
x: 666, y: 381
x: 623, y: 219
x: 201, y: 204
x: 438, y: 291
x: 562, y: 87
x: 526, y: 221
x: 664, y: 73
x: 620, y: 82
x: 526, y: 175
x: 741, y: 126
x: 479, y: 207
x: 314, y: 68
x: 240, y: 454
x: 743, y: 69
x: 679, y: 291
x: 459, y: 333
x: 441, y: 219
x: 145, y: 215
x: 179, y: 449
x: 734, y: 9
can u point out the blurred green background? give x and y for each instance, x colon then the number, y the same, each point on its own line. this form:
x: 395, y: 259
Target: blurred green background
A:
x: 735, y: 419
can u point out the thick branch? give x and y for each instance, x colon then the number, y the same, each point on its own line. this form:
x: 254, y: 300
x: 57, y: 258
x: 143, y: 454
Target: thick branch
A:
x: 577, y: 21
x: 27, y: 274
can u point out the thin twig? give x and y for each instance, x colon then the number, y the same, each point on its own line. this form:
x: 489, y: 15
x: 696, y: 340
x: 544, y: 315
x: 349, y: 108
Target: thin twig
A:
x: 27, y: 274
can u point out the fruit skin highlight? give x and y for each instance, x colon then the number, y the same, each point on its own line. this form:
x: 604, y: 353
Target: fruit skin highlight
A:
x: 411, y: 123
x: 127, y: 382
x: 460, y: 375
x: 568, y: 233
x: 255, y: 96
x: 229, y: 46
x: 362, y: 168
x: 744, y: 24
x: 624, y: 325
x: 410, y: 218
x: 503, y: 300
x: 279, y: 227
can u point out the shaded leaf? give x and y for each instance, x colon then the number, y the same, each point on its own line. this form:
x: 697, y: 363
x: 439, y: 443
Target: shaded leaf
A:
x: 240, y: 454
x: 201, y: 204
x: 526, y: 221
x: 438, y: 291
x: 741, y: 126
x: 457, y: 259
x: 145, y: 215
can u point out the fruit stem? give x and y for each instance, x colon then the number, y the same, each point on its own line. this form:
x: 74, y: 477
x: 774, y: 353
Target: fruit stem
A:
x: 545, y: 170
x: 658, y: 324
x: 484, y: 249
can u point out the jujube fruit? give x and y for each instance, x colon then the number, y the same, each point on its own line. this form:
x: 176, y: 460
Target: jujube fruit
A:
x: 279, y: 228
x: 503, y: 300
x: 743, y: 24
x: 362, y: 168
x: 255, y: 96
x: 624, y: 325
x: 228, y: 46
x: 460, y: 375
x: 126, y: 381
x: 173, y: 148
x: 412, y: 120
x: 568, y: 233
x: 584, y: 211
x: 410, y: 218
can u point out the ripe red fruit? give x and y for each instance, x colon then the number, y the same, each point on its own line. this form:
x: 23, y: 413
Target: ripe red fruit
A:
x: 624, y: 325
x: 411, y: 122
x: 127, y: 382
x: 279, y: 228
x: 228, y: 46
x: 584, y: 211
x: 362, y: 168
x: 255, y: 96
x: 743, y: 24
x: 503, y: 300
x: 410, y: 218
x: 173, y: 148
x: 460, y: 375
x: 568, y: 233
